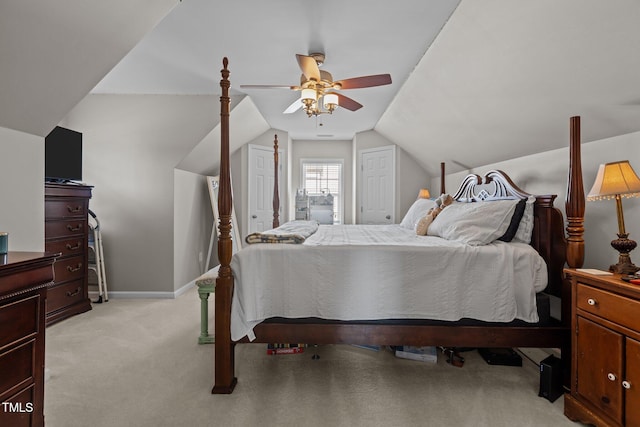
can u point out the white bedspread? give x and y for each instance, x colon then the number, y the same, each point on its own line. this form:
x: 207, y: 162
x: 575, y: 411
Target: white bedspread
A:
x: 369, y: 272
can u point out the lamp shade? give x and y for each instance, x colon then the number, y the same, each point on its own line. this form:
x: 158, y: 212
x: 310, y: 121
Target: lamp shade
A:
x: 309, y: 94
x: 330, y: 99
x: 617, y: 178
x: 423, y: 194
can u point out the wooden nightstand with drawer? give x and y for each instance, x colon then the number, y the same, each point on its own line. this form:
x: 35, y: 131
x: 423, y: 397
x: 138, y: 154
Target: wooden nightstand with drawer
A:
x: 66, y: 232
x: 605, y: 360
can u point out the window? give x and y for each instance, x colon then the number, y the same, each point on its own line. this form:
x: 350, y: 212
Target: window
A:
x: 321, y: 178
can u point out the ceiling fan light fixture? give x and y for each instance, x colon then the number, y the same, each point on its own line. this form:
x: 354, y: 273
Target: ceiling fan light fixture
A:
x: 317, y: 86
x: 330, y: 101
x: 309, y: 99
x: 308, y: 95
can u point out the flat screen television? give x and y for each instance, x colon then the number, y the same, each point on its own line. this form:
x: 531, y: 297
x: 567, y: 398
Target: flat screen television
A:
x: 63, y: 155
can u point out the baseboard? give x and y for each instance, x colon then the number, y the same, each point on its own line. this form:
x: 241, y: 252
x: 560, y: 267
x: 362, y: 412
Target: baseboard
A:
x: 184, y: 288
x: 93, y: 295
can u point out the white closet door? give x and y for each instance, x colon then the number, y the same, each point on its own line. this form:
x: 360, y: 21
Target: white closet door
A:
x: 377, y: 186
x: 261, y: 179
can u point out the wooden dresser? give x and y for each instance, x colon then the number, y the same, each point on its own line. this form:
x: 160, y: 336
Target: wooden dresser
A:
x: 66, y: 232
x: 605, y: 363
x: 24, y: 277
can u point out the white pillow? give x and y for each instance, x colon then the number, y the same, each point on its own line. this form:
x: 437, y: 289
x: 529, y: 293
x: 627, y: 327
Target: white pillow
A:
x: 523, y: 235
x: 475, y: 223
x: 419, y: 209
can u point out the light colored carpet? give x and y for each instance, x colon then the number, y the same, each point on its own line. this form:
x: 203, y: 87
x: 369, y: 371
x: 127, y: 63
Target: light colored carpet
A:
x: 137, y: 363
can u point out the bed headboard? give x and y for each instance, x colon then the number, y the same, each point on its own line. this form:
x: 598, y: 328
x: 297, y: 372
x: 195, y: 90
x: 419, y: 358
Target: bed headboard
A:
x: 548, y: 230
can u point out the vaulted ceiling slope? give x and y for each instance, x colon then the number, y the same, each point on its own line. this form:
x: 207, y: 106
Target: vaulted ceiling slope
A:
x: 52, y: 53
x: 183, y: 54
x: 503, y: 77
x: 499, y: 79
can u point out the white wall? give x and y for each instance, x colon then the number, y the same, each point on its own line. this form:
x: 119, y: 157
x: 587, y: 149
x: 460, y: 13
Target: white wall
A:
x: 192, y: 225
x: 132, y: 144
x: 546, y: 173
x: 22, y: 189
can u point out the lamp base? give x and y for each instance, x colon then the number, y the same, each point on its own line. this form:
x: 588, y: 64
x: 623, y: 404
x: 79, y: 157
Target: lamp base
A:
x: 624, y: 245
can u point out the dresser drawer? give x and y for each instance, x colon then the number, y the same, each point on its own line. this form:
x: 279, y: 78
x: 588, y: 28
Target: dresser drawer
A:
x: 69, y: 269
x: 65, y: 228
x: 616, y: 308
x: 72, y: 208
x: 25, y: 399
x: 64, y: 295
x: 66, y: 247
x: 16, y: 368
x: 22, y: 315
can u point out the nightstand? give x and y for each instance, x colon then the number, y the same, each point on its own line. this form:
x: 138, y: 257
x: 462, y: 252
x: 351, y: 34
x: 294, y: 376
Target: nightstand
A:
x: 605, y: 359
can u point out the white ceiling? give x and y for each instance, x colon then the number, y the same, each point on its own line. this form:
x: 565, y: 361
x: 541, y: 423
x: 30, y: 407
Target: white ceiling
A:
x: 504, y: 76
x: 53, y: 53
x: 499, y: 81
x: 261, y: 38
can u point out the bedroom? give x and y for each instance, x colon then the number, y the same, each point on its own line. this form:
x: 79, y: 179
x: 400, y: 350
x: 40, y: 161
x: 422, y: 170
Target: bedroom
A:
x: 153, y: 169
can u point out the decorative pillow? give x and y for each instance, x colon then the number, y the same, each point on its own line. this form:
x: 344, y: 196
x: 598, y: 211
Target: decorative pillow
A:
x: 523, y: 235
x: 419, y: 209
x: 423, y: 225
x: 515, y: 222
x: 476, y: 223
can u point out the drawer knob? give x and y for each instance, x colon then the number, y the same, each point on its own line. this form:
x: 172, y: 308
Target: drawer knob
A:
x: 73, y: 248
x: 74, y: 210
x: 72, y: 269
x: 626, y: 384
x: 71, y: 294
x: 611, y: 376
x: 72, y: 228
x: 591, y: 301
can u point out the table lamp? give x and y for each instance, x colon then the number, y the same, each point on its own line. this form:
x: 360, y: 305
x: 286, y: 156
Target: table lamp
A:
x: 423, y: 194
x: 615, y: 181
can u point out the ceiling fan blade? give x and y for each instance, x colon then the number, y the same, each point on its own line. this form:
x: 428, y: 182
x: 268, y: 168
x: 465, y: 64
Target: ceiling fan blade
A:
x: 309, y: 67
x: 269, y: 87
x: 348, y: 103
x: 297, y: 104
x: 365, y: 81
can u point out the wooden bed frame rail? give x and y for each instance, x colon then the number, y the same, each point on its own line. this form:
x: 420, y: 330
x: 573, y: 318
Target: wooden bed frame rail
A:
x: 554, y: 250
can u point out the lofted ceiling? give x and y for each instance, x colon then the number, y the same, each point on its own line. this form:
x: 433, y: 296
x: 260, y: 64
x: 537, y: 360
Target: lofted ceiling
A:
x: 261, y: 39
x: 474, y: 82
x: 53, y: 53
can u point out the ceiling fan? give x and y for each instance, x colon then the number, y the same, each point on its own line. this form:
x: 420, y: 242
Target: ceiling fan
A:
x: 318, y: 90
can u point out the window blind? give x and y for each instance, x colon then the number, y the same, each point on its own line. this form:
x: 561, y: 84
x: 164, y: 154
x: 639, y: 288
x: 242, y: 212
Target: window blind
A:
x: 322, y: 177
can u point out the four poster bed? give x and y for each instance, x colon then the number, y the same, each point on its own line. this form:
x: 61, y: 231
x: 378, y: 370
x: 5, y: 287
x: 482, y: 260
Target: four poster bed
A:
x: 382, y: 314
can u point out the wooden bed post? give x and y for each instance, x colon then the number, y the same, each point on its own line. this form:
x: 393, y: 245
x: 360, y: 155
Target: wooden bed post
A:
x: 276, y: 196
x: 442, y: 186
x: 224, y: 377
x: 574, y: 205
